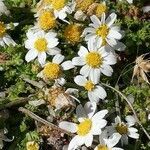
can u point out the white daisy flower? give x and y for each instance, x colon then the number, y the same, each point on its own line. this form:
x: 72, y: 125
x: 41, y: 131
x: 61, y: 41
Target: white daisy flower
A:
x: 61, y: 8
x: 149, y: 117
x: 53, y: 70
x: 104, y: 30
x: 5, y: 39
x: 3, y: 8
x: 124, y: 129
x: 108, y: 143
x: 39, y: 43
x: 89, y: 125
x: 95, y: 60
x: 95, y: 92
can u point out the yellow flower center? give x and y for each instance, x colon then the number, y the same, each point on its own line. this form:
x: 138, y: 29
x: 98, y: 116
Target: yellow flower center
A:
x: 89, y: 85
x: 122, y: 128
x: 103, y: 31
x: 32, y: 146
x: 52, y: 71
x: 94, y: 59
x: 40, y: 45
x: 2, y: 29
x: 58, y: 4
x: 73, y: 33
x: 102, y: 147
x: 100, y: 9
x: 47, y: 20
x: 84, y: 127
x: 83, y: 4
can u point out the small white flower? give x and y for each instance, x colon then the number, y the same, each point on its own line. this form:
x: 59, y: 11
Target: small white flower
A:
x: 124, y: 129
x: 39, y: 43
x: 94, y: 60
x: 53, y: 70
x: 104, y: 30
x: 108, y: 143
x: 95, y: 92
x: 5, y: 39
x: 3, y: 8
x: 89, y: 125
x: 62, y: 8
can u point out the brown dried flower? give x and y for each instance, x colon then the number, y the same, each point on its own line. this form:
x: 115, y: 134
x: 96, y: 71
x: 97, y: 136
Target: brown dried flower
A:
x: 141, y: 68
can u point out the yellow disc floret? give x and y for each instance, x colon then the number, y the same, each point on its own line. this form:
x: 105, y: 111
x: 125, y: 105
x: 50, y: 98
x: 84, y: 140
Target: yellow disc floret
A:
x: 94, y: 59
x: 47, y: 20
x: 100, y: 9
x: 103, y: 31
x: 73, y: 33
x: 83, y: 4
x: 122, y: 128
x: 41, y: 45
x: 52, y: 71
x: 89, y: 85
x: 32, y: 145
x: 102, y: 147
x: 58, y: 4
x: 84, y: 127
x: 2, y: 29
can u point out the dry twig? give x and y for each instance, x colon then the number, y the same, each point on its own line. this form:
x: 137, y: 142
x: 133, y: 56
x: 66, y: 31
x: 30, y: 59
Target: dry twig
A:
x: 43, y: 121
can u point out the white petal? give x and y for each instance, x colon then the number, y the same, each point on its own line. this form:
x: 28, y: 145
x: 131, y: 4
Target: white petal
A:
x: 90, y: 45
x: 93, y: 97
x: 90, y: 108
x: 89, y: 140
x: 111, y: 41
x: 111, y: 19
x: 117, y: 120
x: 80, y: 80
x: 91, y: 36
x: 124, y: 139
x: 67, y: 65
x: 119, y: 46
x: 88, y: 30
x: 134, y: 135
x: 75, y: 142
x: 107, y: 70
x: 42, y: 58
x: 58, y: 59
x: 54, y: 51
x: 130, y: 120
x: 97, y: 126
x: 116, y: 148
x: 103, y: 18
x: 131, y: 129
x: 85, y: 70
x: 32, y: 54
x: 100, y: 92
x: 113, y: 140
x: 114, y: 34
x: 110, y: 59
x: 68, y: 126
x: 78, y: 61
x: 95, y: 21
x: 94, y: 75
x: 83, y: 51
x: 52, y: 43
x: 80, y: 112
x: 100, y: 115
